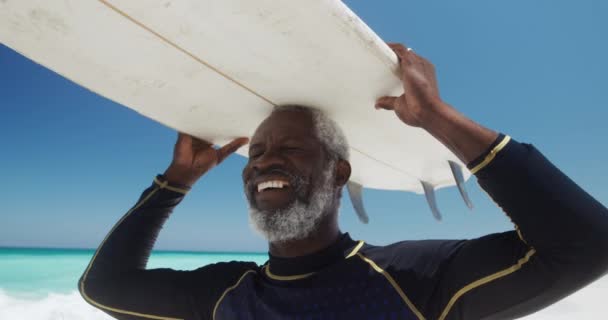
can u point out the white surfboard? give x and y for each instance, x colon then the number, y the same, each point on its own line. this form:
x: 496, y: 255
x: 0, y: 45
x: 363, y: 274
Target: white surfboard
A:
x: 215, y: 69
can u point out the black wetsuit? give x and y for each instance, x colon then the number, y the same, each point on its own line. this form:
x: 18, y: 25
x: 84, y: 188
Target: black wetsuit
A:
x: 560, y: 245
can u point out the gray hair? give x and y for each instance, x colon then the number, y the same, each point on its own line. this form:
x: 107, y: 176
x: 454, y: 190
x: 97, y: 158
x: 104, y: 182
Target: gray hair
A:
x: 326, y: 130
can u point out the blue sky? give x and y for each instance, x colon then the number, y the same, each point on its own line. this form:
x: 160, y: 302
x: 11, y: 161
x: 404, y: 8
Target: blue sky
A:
x: 74, y: 162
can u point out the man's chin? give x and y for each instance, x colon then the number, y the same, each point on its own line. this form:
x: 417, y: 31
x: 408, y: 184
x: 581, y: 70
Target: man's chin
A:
x: 270, y: 211
x: 270, y: 208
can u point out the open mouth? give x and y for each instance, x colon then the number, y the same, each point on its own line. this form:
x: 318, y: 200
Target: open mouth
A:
x: 273, y: 193
x: 272, y: 185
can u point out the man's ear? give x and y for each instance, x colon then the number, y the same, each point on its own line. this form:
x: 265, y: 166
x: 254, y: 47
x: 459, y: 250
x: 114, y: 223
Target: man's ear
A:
x: 342, y: 172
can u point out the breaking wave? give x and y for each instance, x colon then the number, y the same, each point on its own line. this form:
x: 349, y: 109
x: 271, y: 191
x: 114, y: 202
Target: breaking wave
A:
x: 54, y: 306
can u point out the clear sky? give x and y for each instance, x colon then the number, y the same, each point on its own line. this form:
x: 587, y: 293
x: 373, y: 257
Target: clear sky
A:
x: 73, y: 162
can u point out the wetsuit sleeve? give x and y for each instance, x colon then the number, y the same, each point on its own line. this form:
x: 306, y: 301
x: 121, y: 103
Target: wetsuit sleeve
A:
x: 559, y: 245
x: 117, y: 281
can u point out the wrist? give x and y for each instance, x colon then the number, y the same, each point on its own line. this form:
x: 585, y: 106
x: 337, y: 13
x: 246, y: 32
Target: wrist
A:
x: 434, y: 115
x: 179, y: 177
x: 464, y: 137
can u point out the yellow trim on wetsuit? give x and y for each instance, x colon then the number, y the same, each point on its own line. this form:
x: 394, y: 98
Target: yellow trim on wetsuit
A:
x: 394, y: 284
x: 165, y: 185
x: 356, y: 249
x: 217, y: 304
x: 306, y: 275
x: 285, y: 278
x: 486, y: 280
x: 491, y: 155
x: 86, y: 273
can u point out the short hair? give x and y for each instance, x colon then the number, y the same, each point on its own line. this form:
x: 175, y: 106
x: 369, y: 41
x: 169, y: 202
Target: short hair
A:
x: 327, y: 130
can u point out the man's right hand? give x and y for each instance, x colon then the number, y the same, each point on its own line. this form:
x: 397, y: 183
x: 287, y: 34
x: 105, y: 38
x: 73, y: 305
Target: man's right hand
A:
x: 193, y: 157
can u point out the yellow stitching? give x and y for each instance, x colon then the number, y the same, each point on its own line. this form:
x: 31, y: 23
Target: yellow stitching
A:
x: 266, y: 267
x: 165, y: 185
x: 356, y: 249
x: 491, y: 155
x: 485, y: 280
x: 286, y: 278
x: 217, y: 304
x: 86, y: 273
x: 394, y: 284
x: 516, y: 227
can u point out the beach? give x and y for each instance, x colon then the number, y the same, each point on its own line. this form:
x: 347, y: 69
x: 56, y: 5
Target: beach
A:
x: 41, y: 284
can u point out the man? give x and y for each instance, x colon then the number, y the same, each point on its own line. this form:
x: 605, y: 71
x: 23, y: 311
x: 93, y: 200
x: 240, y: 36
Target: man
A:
x: 298, y: 164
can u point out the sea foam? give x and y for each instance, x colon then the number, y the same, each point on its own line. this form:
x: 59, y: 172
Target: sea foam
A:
x: 51, y: 307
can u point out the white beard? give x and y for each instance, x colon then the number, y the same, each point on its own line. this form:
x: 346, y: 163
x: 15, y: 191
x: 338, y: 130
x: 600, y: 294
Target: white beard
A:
x: 298, y: 220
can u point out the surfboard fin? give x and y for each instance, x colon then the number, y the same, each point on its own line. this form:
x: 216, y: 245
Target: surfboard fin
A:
x: 459, y: 177
x: 355, y: 191
x: 429, y: 192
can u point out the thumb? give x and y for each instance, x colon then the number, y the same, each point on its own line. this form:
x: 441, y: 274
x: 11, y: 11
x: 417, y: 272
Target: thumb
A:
x: 387, y: 103
x: 230, y: 148
x: 183, y: 144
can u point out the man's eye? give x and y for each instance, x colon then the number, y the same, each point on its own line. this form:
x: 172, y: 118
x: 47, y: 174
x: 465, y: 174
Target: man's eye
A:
x: 255, y: 154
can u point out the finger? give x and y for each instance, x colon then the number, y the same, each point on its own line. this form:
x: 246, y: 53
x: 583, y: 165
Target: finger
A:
x: 387, y: 103
x: 431, y: 74
x: 401, y: 51
x: 183, y: 143
x: 230, y: 148
x: 199, y: 144
x: 180, y: 137
x: 398, y: 47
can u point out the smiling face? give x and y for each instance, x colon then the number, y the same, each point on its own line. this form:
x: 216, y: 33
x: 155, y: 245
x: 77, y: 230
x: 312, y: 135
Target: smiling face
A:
x: 285, y: 159
x: 289, y: 181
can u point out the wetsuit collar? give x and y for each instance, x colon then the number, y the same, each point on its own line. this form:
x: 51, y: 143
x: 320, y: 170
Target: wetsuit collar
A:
x: 313, y: 262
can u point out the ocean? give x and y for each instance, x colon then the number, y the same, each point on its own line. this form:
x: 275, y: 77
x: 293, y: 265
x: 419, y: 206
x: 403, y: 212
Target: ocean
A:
x: 40, y: 284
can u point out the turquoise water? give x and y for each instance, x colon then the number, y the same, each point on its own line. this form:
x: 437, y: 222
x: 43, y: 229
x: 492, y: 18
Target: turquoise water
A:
x: 38, y: 272
x: 40, y: 284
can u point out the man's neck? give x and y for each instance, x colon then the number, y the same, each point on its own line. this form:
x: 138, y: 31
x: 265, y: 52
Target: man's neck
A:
x: 327, y: 234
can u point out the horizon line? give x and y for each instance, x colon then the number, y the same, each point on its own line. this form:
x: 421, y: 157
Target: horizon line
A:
x: 153, y: 250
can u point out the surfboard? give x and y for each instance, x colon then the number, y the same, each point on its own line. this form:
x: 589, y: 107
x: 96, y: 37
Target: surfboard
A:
x: 216, y: 69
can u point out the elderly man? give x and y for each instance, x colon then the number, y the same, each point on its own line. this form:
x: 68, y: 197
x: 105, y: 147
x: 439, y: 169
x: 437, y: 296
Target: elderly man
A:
x: 298, y: 164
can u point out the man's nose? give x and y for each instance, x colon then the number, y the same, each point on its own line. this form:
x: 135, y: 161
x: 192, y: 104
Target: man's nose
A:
x: 269, y: 158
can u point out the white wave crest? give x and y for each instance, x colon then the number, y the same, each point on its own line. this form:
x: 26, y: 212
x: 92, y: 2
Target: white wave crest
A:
x: 52, y: 307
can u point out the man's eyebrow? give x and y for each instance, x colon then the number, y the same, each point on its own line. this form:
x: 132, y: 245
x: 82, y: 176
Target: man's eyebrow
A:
x: 255, y: 145
x: 305, y: 140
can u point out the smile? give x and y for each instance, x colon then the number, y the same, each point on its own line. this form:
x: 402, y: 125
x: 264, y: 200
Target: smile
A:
x: 272, y: 184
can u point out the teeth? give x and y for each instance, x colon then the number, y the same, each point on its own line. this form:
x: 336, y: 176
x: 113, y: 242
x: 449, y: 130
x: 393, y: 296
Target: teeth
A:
x: 272, y: 184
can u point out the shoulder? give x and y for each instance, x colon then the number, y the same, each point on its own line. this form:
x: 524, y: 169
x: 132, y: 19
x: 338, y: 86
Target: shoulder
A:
x: 415, y: 267
x: 214, y: 278
x: 226, y: 271
x: 414, y: 255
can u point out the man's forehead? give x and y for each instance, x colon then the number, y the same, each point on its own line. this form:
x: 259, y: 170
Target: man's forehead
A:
x: 284, y: 137
x: 286, y: 124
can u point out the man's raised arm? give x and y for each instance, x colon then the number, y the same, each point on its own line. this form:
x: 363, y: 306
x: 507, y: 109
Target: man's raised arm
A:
x: 116, y: 280
x: 561, y: 238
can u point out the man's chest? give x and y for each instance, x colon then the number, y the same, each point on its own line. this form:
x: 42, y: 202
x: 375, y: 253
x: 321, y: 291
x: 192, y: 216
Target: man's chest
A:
x: 351, y: 291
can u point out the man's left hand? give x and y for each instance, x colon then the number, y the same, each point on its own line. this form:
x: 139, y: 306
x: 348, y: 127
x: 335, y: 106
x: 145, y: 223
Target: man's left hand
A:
x: 420, y: 86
